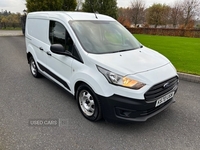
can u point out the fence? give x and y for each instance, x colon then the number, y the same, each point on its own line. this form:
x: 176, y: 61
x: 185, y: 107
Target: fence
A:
x: 166, y: 32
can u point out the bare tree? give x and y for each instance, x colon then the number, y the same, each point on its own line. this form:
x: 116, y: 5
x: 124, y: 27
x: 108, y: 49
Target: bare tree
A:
x: 165, y: 15
x: 137, y: 13
x: 176, y: 13
x: 190, y: 10
x: 124, y: 15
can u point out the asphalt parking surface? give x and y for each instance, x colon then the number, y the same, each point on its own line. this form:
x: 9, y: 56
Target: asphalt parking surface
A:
x: 24, y: 98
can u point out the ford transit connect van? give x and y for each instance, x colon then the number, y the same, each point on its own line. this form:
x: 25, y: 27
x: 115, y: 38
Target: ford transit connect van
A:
x: 92, y: 56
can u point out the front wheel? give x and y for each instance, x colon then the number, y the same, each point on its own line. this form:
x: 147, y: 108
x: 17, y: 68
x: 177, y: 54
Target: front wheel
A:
x: 88, y: 103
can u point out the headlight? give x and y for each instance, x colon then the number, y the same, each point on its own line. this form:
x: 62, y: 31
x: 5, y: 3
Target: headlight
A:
x: 120, y: 80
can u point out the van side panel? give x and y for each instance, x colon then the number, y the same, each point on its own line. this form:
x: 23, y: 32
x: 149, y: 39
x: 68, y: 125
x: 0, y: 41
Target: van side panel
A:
x: 37, y: 38
x: 38, y: 29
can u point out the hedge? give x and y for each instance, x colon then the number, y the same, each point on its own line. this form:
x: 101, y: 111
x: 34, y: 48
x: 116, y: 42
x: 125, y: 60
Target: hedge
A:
x: 166, y: 32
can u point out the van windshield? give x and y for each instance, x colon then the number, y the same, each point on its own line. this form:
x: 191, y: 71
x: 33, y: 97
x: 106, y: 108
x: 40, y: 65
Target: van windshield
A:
x: 100, y: 37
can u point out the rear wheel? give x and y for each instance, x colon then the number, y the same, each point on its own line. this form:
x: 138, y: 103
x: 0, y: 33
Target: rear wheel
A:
x: 88, y: 103
x: 33, y: 68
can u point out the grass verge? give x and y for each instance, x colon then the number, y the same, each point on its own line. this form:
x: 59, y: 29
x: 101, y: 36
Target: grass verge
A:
x: 183, y: 52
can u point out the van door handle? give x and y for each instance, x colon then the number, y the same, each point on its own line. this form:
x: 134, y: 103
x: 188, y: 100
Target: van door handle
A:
x: 49, y: 53
x: 41, y: 48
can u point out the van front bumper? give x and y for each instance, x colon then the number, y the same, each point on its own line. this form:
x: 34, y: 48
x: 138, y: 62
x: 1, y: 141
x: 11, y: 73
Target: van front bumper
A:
x: 120, y: 108
x: 156, y: 99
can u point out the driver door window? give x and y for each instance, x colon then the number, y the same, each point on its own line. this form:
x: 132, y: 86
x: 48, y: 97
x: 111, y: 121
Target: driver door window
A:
x: 59, y: 35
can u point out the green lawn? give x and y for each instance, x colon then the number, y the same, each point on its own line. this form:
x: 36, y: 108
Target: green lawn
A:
x: 183, y: 52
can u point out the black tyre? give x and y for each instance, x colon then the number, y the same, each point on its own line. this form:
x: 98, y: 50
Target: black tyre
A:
x: 33, y: 68
x: 88, y: 103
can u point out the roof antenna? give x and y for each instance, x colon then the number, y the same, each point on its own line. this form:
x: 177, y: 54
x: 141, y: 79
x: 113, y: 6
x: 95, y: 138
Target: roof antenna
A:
x: 95, y: 12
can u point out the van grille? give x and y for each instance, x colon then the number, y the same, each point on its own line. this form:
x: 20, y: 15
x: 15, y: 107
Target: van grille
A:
x: 161, y: 88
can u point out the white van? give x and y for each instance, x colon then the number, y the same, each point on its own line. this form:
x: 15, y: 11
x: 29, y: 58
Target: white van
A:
x: 92, y: 56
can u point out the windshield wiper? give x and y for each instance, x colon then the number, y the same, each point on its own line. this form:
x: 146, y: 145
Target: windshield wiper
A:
x: 127, y: 49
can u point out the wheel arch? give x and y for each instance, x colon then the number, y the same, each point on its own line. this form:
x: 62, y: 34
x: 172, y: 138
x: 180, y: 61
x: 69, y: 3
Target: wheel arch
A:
x: 78, y: 83
x: 29, y: 55
x: 98, y: 85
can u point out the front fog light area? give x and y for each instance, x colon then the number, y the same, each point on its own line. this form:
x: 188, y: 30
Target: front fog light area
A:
x: 119, y: 80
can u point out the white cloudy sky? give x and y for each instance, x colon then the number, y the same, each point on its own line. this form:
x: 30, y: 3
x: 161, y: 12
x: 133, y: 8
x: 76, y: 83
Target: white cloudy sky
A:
x: 19, y: 5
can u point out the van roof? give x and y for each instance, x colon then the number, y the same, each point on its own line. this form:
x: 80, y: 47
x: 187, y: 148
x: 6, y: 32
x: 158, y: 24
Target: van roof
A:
x: 68, y: 15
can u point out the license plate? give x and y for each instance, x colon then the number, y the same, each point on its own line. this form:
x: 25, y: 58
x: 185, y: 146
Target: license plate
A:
x: 164, y: 99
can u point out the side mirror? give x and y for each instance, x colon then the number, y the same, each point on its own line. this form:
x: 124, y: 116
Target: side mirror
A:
x: 59, y: 49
